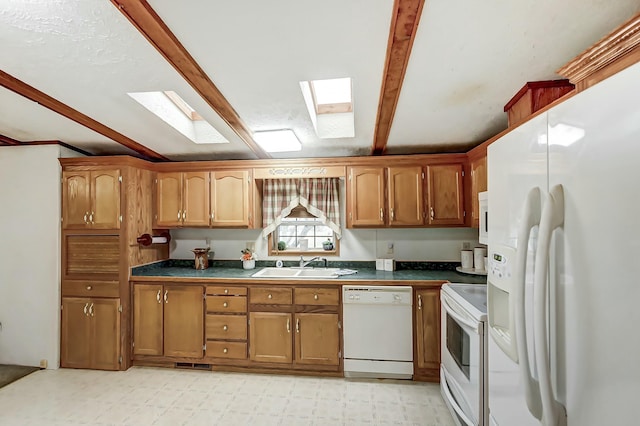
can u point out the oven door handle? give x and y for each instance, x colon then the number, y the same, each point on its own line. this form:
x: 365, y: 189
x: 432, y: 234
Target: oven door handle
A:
x: 456, y: 407
x: 456, y: 316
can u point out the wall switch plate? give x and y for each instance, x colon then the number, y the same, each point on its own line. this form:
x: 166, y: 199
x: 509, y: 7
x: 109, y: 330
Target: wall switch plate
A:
x: 466, y: 245
x: 389, y: 248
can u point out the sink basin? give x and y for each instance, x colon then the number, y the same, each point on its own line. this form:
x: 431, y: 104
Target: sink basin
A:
x: 297, y: 273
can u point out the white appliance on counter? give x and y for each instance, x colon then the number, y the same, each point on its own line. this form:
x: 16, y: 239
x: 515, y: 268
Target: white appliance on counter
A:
x: 564, y: 244
x: 463, y: 352
x: 378, y: 332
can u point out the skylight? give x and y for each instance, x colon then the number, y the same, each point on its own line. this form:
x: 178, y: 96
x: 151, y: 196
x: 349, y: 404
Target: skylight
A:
x: 278, y: 140
x: 330, y: 106
x: 174, y: 111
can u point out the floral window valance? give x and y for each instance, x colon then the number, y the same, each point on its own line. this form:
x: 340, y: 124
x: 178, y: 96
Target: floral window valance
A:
x: 318, y: 195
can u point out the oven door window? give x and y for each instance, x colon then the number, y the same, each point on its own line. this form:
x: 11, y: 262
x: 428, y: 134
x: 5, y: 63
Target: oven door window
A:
x: 459, y: 345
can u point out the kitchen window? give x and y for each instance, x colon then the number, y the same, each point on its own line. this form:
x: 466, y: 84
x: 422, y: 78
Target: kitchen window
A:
x: 301, y: 215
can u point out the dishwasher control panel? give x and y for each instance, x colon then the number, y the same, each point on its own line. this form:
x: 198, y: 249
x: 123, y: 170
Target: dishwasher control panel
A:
x: 377, y: 295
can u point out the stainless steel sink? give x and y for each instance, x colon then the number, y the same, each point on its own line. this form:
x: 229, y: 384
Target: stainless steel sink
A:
x: 297, y: 273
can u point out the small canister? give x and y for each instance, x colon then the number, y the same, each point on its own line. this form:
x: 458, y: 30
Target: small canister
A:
x: 202, y: 258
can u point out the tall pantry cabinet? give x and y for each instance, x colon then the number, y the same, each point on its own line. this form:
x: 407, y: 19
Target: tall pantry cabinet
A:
x: 106, y: 205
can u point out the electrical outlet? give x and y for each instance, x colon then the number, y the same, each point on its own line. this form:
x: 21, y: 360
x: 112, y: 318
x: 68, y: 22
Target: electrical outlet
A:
x: 389, y: 248
x: 466, y: 245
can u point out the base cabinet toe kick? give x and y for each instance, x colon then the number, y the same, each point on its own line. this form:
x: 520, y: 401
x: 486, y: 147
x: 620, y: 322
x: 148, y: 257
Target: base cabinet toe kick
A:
x: 328, y: 330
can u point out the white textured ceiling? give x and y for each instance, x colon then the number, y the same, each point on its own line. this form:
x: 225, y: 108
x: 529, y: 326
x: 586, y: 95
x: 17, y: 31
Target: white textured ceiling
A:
x: 469, y: 58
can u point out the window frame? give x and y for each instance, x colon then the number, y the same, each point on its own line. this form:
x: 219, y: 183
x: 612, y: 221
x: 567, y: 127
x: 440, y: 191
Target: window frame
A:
x: 273, y: 247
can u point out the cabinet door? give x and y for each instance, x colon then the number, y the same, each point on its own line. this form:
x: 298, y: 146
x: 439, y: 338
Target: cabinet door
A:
x: 75, y: 338
x: 270, y: 337
x: 105, y: 199
x: 406, y: 202
x: 148, y: 307
x: 169, y: 199
x: 183, y: 321
x: 428, y: 328
x: 365, y: 197
x: 76, y: 199
x: 195, y: 199
x: 230, y: 198
x: 317, y: 339
x: 445, y: 194
x: 478, y: 184
x: 105, y: 333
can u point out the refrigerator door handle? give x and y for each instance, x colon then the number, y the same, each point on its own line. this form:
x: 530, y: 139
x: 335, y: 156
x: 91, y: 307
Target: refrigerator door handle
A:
x: 552, y: 217
x: 531, y: 218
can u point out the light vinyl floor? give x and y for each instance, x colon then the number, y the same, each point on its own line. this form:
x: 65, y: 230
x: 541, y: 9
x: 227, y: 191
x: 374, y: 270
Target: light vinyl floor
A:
x: 156, y: 396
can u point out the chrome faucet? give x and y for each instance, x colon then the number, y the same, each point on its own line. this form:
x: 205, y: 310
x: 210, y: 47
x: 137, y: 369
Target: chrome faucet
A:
x: 304, y: 263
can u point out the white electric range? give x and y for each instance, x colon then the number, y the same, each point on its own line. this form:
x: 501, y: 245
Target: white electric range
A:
x: 463, y: 346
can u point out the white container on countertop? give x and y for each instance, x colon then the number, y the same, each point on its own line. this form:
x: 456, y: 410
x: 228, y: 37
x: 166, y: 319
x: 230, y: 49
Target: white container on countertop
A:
x: 389, y: 264
x: 479, y: 253
x: 379, y: 264
x: 466, y: 258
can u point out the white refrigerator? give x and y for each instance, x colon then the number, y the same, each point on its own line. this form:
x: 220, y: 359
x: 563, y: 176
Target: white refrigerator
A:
x: 564, y: 263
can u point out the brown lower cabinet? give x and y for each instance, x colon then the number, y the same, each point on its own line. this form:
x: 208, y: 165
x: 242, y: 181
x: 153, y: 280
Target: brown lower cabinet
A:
x: 168, y: 320
x: 90, y: 333
x: 427, y: 326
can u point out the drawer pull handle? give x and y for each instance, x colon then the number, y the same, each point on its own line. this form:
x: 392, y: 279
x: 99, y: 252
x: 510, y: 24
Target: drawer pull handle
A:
x: 269, y: 297
x: 315, y: 297
x: 85, y: 217
x: 158, y: 296
x: 297, y: 325
x: 226, y: 291
x: 419, y: 301
x: 91, y: 310
x: 225, y: 350
x: 288, y: 325
x: 225, y: 328
x: 85, y: 308
x: 166, y: 298
x: 89, y: 287
x: 225, y: 304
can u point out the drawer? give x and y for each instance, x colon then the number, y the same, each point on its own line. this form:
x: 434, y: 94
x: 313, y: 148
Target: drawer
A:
x: 270, y: 296
x: 235, y: 350
x: 226, y: 304
x: 91, y: 288
x: 224, y: 291
x: 317, y: 296
x: 226, y: 327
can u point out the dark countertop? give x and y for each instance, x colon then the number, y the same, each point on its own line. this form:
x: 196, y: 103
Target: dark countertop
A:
x: 178, y: 270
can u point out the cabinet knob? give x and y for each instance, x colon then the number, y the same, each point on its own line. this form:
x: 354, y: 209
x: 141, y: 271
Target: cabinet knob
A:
x: 269, y: 297
x: 225, y: 350
x: 315, y: 297
x: 226, y: 291
x: 89, y: 287
x: 225, y: 328
x: 225, y: 304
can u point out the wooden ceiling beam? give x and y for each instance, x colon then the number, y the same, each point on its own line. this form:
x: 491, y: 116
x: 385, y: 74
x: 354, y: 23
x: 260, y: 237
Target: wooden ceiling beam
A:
x: 404, y: 25
x: 6, y: 140
x: 153, y: 28
x: 29, y: 92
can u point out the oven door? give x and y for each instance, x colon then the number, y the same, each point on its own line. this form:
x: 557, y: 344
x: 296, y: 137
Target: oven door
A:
x: 462, y: 354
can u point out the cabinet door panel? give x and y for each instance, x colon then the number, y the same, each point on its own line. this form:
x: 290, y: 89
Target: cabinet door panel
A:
x: 365, y: 197
x: 406, y: 206
x: 105, y: 329
x: 230, y: 198
x: 169, y: 199
x: 478, y: 184
x: 76, y: 200
x: 75, y: 341
x: 317, y: 339
x: 445, y: 194
x: 183, y: 321
x: 428, y: 328
x: 270, y: 337
x: 148, y: 306
x: 196, y: 199
x: 105, y: 199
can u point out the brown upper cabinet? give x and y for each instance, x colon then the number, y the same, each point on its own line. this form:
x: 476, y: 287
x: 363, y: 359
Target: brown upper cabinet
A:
x: 231, y: 199
x: 478, y: 184
x: 385, y: 196
x: 91, y: 199
x: 445, y: 201
x: 182, y: 199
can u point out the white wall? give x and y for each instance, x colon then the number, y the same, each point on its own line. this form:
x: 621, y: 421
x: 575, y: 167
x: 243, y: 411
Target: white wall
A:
x: 30, y: 254
x: 360, y: 244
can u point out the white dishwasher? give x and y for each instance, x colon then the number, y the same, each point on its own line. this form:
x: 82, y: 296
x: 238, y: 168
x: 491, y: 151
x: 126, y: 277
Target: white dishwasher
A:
x: 378, y: 331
